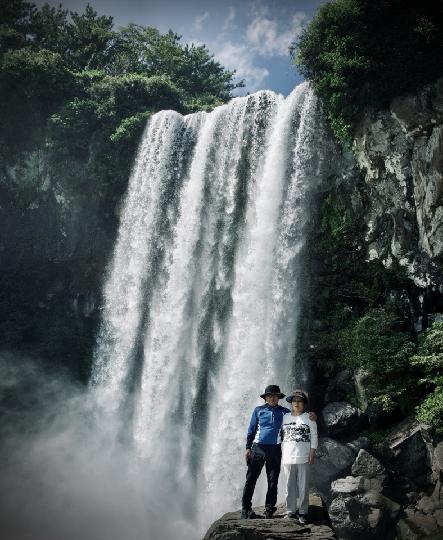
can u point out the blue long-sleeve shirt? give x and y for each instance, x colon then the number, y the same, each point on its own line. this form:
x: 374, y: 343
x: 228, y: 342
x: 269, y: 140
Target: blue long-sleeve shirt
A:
x: 265, y: 425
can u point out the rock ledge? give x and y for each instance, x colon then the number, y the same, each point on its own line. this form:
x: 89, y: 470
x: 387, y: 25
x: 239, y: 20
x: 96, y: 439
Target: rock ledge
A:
x: 231, y: 527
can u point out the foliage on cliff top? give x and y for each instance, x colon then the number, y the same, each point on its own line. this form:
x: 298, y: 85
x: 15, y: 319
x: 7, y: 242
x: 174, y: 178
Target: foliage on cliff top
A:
x: 94, y: 86
x: 360, y: 53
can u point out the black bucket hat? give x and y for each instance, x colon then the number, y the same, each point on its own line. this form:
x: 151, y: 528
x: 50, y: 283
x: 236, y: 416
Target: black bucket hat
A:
x: 297, y: 394
x: 272, y: 389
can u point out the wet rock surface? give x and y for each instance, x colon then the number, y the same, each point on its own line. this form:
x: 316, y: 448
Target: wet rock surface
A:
x: 369, y: 466
x: 400, y: 153
x: 231, y: 527
x: 362, y: 516
x: 341, y: 419
x: 334, y: 460
x: 409, y: 451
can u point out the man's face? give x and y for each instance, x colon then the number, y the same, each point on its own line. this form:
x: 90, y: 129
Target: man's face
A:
x: 271, y: 399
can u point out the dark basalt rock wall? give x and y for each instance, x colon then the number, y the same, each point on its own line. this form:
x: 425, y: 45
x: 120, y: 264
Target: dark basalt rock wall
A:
x: 400, y: 153
x: 54, y: 248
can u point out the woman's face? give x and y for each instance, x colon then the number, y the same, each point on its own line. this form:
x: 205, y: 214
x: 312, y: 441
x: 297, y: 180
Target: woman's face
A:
x: 298, y: 406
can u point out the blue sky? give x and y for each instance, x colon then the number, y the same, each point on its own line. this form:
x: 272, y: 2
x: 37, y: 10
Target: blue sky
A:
x: 250, y: 36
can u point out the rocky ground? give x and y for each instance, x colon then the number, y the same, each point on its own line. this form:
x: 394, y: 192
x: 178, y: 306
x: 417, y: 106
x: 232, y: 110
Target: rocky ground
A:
x: 231, y: 527
x: 392, y: 489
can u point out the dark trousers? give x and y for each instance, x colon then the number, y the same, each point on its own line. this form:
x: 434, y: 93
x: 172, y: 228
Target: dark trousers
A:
x: 270, y: 456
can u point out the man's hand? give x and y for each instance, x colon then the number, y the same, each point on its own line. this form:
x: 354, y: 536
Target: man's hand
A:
x: 312, y: 416
x: 248, y: 455
x: 311, y: 456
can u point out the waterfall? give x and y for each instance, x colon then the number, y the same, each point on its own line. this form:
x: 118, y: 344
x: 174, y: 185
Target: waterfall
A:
x: 202, y: 301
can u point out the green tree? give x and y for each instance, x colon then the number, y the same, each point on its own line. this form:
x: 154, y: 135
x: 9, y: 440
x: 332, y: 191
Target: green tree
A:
x: 203, y: 82
x: 86, y: 90
x: 89, y: 40
x: 360, y: 53
x: 47, y: 27
x: 14, y: 23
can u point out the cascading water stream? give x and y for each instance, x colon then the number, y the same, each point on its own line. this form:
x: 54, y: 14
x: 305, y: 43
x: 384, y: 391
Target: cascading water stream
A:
x: 203, y: 296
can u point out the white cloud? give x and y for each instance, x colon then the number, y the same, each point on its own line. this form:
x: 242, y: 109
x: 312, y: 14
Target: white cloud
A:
x: 239, y: 57
x: 228, y: 23
x: 258, y: 8
x: 266, y: 37
x: 199, y: 20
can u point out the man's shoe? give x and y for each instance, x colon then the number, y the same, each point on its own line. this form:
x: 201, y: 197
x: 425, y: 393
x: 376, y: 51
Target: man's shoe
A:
x: 302, y: 519
x: 253, y: 515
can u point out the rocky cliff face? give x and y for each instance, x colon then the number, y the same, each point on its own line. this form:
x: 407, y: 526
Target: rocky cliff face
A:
x: 378, y: 237
x: 400, y: 153
x: 379, y: 242
x: 54, y: 247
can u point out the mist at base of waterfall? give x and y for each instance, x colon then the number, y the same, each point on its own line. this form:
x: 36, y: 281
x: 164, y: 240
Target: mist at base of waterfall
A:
x: 64, y: 476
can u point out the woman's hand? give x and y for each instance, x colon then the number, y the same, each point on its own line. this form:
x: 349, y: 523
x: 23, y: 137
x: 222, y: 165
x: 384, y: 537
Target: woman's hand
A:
x: 312, y: 416
x: 311, y: 456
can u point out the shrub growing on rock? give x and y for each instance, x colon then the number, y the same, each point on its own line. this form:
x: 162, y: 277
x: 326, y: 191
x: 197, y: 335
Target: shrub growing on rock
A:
x: 429, y: 359
x: 375, y: 344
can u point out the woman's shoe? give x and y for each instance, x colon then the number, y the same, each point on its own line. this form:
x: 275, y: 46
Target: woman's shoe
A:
x: 302, y: 519
x: 290, y: 515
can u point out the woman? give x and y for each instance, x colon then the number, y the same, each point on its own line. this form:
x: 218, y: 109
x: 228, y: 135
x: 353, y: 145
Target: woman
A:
x: 298, y: 454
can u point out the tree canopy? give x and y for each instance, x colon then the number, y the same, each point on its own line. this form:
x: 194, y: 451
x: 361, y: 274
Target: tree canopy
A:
x: 360, y: 53
x: 86, y: 88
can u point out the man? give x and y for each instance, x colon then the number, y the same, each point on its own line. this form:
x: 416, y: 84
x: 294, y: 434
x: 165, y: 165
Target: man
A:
x: 263, y: 447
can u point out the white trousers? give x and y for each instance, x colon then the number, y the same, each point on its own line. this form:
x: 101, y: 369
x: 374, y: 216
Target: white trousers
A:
x: 297, y: 487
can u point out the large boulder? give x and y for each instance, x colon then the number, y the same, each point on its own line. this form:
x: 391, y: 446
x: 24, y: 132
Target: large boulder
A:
x: 341, y: 419
x: 437, y: 494
x: 409, y: 451
x: 362, y: 515
x: 422, y: 517
x: 334, y: 460
x: 359, y: 443
x: 231, y: 527
x: 367, y: 465
x: 416, y: 526
x: 351, y: 485
x: 437, y: 459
